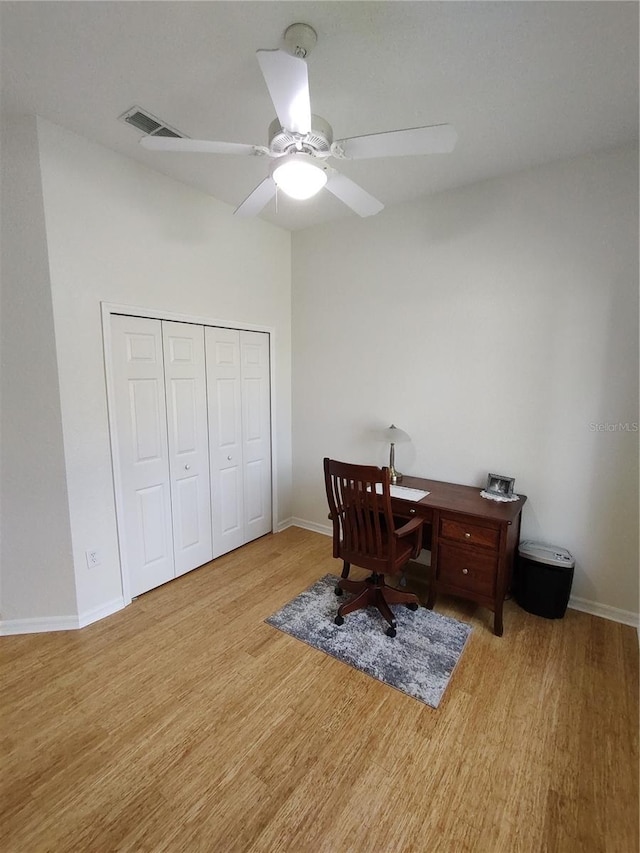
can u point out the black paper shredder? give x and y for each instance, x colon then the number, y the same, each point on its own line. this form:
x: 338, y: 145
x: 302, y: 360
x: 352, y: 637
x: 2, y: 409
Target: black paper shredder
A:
x: 543, y: 578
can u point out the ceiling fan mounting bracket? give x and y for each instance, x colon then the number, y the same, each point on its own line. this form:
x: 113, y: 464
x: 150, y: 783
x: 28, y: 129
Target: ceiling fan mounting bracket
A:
x: 300, y: 40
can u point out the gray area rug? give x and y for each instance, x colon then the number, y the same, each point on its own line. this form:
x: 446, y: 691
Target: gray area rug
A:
x: 419, y: 661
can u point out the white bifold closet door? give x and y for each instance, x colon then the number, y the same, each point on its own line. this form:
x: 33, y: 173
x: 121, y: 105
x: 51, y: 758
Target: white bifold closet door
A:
x: 160, y: 413
x: 188, y: 431
x: 238, y: 391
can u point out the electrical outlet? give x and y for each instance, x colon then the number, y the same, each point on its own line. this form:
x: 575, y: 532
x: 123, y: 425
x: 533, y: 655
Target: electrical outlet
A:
x: 93, y: 558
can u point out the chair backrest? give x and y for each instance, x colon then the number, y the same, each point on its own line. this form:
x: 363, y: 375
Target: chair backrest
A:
x: 360, y: 504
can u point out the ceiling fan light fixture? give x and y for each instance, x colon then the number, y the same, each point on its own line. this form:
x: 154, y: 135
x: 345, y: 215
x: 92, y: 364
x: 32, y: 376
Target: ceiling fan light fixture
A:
x: 299, y: 176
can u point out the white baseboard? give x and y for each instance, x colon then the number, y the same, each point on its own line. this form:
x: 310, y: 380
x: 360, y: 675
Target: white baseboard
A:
x: 97, y: 613
x: 325, y: 529
x: 38, y: 625
x: 614, y: 614
x: 44, y: 624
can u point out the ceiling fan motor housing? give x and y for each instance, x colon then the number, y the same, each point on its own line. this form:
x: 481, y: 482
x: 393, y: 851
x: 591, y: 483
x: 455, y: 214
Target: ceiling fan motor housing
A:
x: 316, y: 142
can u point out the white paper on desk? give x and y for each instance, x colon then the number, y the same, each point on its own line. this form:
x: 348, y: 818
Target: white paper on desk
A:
x: 404, y: 492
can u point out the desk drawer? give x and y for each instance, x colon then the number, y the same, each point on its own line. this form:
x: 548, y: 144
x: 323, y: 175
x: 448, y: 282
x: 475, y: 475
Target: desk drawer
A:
x: 409, y: 509
x: 459, y: 530
x: 467, y: 569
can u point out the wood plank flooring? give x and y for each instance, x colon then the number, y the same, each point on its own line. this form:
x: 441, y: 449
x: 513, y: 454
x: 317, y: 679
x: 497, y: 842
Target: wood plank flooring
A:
x: 185, y: 723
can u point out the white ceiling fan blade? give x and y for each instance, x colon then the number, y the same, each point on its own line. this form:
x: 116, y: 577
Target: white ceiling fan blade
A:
x: 288, y: 84
x: 196, y: 146
x: 257, y: 199
x: 436, y: 139
x: 353, y: 195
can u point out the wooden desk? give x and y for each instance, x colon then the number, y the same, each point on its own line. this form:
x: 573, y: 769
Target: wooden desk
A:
x: 473, y: 541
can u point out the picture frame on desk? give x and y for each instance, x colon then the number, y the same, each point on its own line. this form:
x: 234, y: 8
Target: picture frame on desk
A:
x: 498, y: 484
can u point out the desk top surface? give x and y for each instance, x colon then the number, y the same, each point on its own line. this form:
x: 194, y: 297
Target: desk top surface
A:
x: 463, y: 499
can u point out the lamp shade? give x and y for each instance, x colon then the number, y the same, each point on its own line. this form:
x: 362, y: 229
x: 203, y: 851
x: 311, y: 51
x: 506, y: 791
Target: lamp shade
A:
x: 395, y: 435
x: 299, y: 175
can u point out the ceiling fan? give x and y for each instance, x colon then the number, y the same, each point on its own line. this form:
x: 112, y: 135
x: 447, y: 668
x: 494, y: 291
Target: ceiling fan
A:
x: 301, y: 143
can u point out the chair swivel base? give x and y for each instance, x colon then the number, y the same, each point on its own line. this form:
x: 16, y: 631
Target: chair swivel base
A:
x: 373, y: 592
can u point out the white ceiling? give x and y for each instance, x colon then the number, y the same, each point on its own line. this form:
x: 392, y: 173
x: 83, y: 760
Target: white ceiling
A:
x: 523, y: 83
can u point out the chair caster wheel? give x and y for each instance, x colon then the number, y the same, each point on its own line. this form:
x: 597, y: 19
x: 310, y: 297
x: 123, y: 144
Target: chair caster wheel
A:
x: 391, y: 631
x: 412, y: 606
x: 338, y: 591
x: 339, y: 620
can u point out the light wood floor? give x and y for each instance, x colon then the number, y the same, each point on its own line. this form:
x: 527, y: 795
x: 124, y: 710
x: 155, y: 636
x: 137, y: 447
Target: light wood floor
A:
x: 186, y: 723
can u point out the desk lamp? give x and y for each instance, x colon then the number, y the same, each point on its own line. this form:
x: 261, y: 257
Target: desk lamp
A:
x: 394, y: 435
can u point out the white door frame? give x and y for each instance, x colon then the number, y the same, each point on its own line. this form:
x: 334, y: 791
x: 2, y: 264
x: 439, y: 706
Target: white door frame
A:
x: 110, y: 308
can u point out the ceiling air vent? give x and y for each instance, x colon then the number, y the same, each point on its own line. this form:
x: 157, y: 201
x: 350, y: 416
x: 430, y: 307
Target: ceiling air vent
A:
x: 149, y: 124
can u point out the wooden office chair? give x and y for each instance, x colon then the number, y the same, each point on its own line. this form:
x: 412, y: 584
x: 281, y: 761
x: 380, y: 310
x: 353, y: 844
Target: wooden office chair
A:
x: 364, y: 534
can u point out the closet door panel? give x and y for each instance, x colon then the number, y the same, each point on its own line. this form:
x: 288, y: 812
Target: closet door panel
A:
x: 188, y: 437
x: 225, y: 437
x: 151, y: 514
x: 256, y: 424
x: 255, y: 509
x: 230, y: 480
x: 143, y: 463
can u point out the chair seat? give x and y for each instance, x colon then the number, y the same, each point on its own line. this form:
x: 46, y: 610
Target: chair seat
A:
x: 380, y: 560
x: 403, y: 553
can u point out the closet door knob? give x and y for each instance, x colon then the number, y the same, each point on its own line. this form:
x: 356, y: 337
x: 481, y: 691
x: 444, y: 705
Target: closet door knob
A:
x: 229, y: 458
x: 187, y: 467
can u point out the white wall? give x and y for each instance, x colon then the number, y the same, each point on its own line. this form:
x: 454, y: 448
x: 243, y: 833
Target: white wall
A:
x: 120, y: 233
x: 495, y: 324
x: 36, y: 570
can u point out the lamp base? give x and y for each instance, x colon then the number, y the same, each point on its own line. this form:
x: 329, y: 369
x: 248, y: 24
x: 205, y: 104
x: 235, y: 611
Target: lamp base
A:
x: 394, y: 476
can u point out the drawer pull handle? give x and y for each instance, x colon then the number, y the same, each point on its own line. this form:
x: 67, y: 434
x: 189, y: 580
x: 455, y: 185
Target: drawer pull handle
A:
x: 467, y: 536
x: 412, y: 512
x: 465, y: 571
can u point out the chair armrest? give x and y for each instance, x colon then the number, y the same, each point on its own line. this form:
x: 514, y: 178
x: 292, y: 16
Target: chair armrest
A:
x: 409, y: 527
